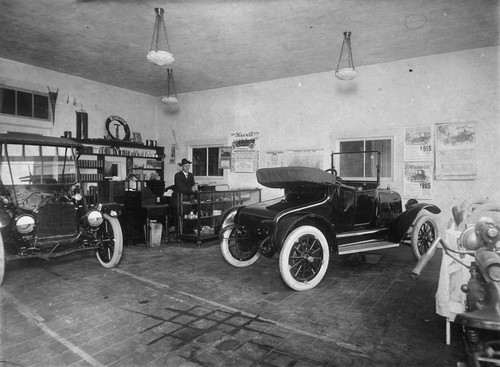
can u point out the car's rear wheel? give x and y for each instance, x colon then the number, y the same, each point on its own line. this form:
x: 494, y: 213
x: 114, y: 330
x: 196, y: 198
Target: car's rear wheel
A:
x: 237, y: 252
x: 2, y: 259
x: 423, y: 234
x: 111, y: 237
x: 304, y: 258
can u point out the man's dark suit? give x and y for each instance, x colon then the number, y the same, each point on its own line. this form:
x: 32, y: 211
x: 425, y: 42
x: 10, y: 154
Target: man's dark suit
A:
x: 182, y: 183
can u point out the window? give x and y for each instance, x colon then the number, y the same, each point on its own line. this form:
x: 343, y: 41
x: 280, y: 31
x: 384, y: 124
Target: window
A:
x: 206, y: 161
x: 24, y: 103
x: 364, y: 165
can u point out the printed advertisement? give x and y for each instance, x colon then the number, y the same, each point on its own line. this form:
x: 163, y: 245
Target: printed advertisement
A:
x: 225, y: 157
x: 419, y: 142
x: 456, y: 151
x: 245, y: 161
x: 274, y: 158
x: 305, y: 158
x: 244, y: 140
x: 418, y: 180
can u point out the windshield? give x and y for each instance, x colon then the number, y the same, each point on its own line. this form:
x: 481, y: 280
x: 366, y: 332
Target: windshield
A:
x: 35, y: 164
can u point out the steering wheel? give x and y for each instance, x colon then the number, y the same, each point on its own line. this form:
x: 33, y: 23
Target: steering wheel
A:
x: 333, y: 171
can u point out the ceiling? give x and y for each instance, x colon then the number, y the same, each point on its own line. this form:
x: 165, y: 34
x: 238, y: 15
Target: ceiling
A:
x: 221, y: 43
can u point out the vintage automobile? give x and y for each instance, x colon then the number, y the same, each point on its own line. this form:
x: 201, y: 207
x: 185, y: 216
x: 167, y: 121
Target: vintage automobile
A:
x: 421, y: 138
x: 419, y: 176
x: 42, y: 210
x: 318, y: 214
x: 244, y: 143
x: 462, y: 136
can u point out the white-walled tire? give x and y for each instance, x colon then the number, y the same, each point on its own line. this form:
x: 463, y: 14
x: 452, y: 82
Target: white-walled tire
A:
x: 233, y: 251
x: 110, y: 253
x: 425, y: 231
x: 2, y: 259
x: 304, y: 258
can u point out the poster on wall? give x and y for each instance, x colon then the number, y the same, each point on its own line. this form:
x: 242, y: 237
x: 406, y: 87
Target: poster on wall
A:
x: 245, y: 161
x: 305, y: 158
x: 172, y: 154
x: 419, y: 142
x: 456, y: 151
x: 274, y: 158
x: 241, y: 140
x: 224, y: 157
x: 418, y: 180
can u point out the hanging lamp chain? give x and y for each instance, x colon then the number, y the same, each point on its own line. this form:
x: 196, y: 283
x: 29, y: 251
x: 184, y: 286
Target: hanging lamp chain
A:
x: 170, y: 81
x: 159, y: 23
x: 346, y: 42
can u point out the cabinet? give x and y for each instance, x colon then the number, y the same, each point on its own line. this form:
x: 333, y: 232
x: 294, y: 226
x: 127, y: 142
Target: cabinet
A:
x: 106, y: 167
x: 100, y: 160
x: 198, y: 213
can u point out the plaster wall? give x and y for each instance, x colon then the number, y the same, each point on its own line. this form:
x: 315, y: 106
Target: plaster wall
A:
x: 314, y: 111
x: 74, y: 94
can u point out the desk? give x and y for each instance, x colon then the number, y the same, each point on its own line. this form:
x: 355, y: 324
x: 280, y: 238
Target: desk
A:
x: 155, y: 210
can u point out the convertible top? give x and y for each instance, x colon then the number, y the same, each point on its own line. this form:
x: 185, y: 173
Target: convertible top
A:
x: 283, y: 177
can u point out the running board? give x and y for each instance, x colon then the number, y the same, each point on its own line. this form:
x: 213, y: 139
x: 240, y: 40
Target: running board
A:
x: 363, y: 235
x: 363, y: 246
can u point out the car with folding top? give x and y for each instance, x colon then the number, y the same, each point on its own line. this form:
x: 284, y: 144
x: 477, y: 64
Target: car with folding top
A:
x: 321, y: 213
x: 43, y: 211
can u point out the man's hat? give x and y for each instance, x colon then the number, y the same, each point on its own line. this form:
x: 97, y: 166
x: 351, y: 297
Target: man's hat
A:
x: 184, y: 161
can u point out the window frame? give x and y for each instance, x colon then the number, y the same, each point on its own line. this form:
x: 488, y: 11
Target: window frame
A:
x: 33, y: 94
x: 365, y: 140
x: 206, y: 146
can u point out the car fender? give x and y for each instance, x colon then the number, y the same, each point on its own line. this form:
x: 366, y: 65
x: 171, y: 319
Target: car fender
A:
x: 222, y: 222
x: 5, y: 218
x: 288, y: 223
x: 399, y: 227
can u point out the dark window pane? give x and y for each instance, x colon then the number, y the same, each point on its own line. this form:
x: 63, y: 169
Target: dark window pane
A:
x: 24, y: 104
x: 7, y: 101
x: 384, y: 147
x: 213, y: 162
x: 200, y: 161
x: 41, y: 108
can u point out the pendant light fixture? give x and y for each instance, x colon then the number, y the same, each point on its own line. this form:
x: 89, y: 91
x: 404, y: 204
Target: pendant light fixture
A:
x: 170, y: 96
x: 345, y: 68
x: 159, y: 53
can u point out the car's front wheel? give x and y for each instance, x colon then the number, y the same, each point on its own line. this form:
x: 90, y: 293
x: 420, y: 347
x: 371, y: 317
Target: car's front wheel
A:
x: 2, y: 259
x: 304, y: 258
x: 111, y: 246
x: 423, y: 234
x: 237, y: 252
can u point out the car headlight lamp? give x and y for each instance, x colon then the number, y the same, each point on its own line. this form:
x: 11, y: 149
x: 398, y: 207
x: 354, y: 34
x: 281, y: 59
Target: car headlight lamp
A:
x: 25, y: 224
x: 77, y: 197
x: 94, y: 218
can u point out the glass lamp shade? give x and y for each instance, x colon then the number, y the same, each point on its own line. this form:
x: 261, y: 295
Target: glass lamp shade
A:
x: 170, y: 100
x: 346, y: 74
x: 160, y: 58
x: 345, y: 67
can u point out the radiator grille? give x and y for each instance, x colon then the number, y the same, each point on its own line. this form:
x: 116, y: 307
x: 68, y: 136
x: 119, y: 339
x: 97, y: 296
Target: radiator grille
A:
x: 56, y: 219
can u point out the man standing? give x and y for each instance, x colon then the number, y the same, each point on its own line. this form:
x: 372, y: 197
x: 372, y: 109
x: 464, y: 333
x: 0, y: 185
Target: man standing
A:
x: 184, y: 180
x: 183, y: 184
